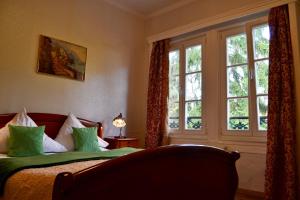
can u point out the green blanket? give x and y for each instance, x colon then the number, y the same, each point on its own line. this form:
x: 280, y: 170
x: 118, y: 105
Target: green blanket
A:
x: 9, y: 166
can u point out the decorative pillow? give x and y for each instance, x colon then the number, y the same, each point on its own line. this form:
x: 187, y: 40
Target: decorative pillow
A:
x: 85, y: 139
x: 25, y: 141
x: 64, y: 136
x: 22, y: 119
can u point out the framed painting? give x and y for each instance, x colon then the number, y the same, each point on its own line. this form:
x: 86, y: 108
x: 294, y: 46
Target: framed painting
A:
x: 61, y: 58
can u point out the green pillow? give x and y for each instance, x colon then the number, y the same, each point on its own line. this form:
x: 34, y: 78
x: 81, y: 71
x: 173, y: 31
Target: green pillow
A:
x: 85, y: 139
x: 25, y: 141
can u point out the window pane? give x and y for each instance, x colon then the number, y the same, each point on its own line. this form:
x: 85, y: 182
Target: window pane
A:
x: 193, y: 112
x: 262, y: 111
x: 236, y: 49
x: 261, y: 37
x: 174, y: 122
x: 193, y: 86
x: 174, y: 88
x: 238, y: 114
x: 174, y: 115
x: 193, y: 59
x: 237, y: 81
x: 174, y: 62
x: 261, y: 76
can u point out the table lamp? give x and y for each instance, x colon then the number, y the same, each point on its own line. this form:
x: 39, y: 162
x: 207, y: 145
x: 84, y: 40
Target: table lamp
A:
x: 119, y: 122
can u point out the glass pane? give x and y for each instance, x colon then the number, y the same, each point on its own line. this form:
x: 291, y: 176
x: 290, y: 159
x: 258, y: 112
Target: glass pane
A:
x: 193, y: 59
x: 238, y: 114
x: 173, y: 109
x: 262, y: 111
x: 236, y: 49
x: 174, y: 62
x: 261, y: 37
x: 174, y: 88
x: 261, y: 76
x: 174, y: 122
x: 174, y: 115
x: 193, y: 86
x: 193, y: 112
x: 237, y: 81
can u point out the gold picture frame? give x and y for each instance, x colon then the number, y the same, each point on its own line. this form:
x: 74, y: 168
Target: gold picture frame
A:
x: 61, y: 58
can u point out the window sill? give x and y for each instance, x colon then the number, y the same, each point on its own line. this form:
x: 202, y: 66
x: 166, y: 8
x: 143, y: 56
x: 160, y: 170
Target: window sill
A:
x: 246, y: 144
x: 244, y: 147
x: 191, y: 136
x: 245, y: 138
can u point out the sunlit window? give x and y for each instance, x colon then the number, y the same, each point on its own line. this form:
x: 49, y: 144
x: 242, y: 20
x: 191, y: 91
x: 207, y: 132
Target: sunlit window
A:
x: 247, y: 61
x: 185, y: 87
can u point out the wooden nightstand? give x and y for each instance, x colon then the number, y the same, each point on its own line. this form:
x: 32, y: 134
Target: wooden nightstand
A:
x: 121, y: 142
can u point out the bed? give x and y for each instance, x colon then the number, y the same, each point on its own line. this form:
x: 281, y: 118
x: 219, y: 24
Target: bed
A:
x: 169, y: 172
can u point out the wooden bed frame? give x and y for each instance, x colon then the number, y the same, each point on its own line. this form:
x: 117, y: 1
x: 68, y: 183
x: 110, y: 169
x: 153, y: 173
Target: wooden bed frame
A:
x: 170, y: 172
x: 53, y: 122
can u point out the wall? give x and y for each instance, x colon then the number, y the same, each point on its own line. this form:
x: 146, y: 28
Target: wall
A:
x: 297, y: 88
x: 191, y: 12
x: 115, y: 77
x: 294, y: 13
x: 251, y: 165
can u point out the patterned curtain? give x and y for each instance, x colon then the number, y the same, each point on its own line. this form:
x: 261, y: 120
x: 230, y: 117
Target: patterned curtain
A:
x: 281, y: 169
x: 158, y: 91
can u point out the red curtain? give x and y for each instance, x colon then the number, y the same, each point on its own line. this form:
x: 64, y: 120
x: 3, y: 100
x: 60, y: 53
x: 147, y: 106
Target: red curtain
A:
x: 281, y: 169
x: 158, y: 91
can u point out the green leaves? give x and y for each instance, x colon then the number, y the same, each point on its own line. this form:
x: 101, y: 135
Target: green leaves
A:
x: 261, y: 76
x: 237, y: 81
x: 193, y: 112
x: 236, y: 48
x: 174, y: 88
x: 193, y: 59
x: 193, y: 86
x: 261, y: 37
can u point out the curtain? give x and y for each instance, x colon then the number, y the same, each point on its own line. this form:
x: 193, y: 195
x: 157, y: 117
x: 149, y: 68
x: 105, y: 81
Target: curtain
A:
x: 158, y: 91
x: 281, y: 169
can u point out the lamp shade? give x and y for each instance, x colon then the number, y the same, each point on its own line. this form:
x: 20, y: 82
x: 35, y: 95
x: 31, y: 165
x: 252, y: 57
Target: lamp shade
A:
x: 119, y: 121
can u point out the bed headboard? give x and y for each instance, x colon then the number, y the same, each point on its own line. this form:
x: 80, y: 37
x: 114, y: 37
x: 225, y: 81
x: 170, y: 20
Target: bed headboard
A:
x: 53, y: 122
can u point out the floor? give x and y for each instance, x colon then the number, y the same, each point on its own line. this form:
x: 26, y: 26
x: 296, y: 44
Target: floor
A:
x: 241, y: 195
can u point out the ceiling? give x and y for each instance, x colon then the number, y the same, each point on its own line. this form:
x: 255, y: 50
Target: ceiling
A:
x: 149, y: 8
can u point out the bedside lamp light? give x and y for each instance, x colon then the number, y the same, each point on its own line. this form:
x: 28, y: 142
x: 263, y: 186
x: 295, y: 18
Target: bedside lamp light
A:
x: 119, y: 122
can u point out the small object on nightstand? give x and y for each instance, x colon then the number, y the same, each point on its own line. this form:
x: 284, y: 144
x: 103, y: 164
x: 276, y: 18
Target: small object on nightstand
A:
x: 119, y: 122
x: 115, y: 143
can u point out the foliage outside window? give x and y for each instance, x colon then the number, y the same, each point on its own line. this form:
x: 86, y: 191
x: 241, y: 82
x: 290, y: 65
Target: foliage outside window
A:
x: 247, y: 78
x: 174, y: 89
x: 185, y: 87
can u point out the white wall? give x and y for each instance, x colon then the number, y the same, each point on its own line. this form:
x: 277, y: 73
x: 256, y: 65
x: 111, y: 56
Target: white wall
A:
x: 191, y: 12
x: 294, y: 13
x: 115, y: 75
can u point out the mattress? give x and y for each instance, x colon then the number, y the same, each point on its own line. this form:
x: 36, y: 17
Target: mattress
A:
x: 37, y: 183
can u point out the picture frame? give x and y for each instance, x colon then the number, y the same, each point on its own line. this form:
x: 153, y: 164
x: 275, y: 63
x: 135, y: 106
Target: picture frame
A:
x: 61, y: 58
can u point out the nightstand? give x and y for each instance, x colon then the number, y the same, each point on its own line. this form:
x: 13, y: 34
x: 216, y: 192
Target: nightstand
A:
x: 115, y: 143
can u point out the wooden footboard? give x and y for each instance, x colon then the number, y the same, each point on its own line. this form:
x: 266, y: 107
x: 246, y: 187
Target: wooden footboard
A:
x: 171, y: 172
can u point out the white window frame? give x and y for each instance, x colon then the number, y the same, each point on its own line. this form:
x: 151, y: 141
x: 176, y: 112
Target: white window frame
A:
x: 181, y: 45
x: 253, y: 134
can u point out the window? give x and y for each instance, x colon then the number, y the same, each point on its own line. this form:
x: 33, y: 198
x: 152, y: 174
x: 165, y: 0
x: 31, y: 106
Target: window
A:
x: 245, y: 72
x: 185, y: 86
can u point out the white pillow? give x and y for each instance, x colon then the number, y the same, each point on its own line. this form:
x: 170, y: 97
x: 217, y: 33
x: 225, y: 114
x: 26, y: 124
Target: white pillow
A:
x: 22, y: 119
x: 64, y: 136
x: 4, y: 133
